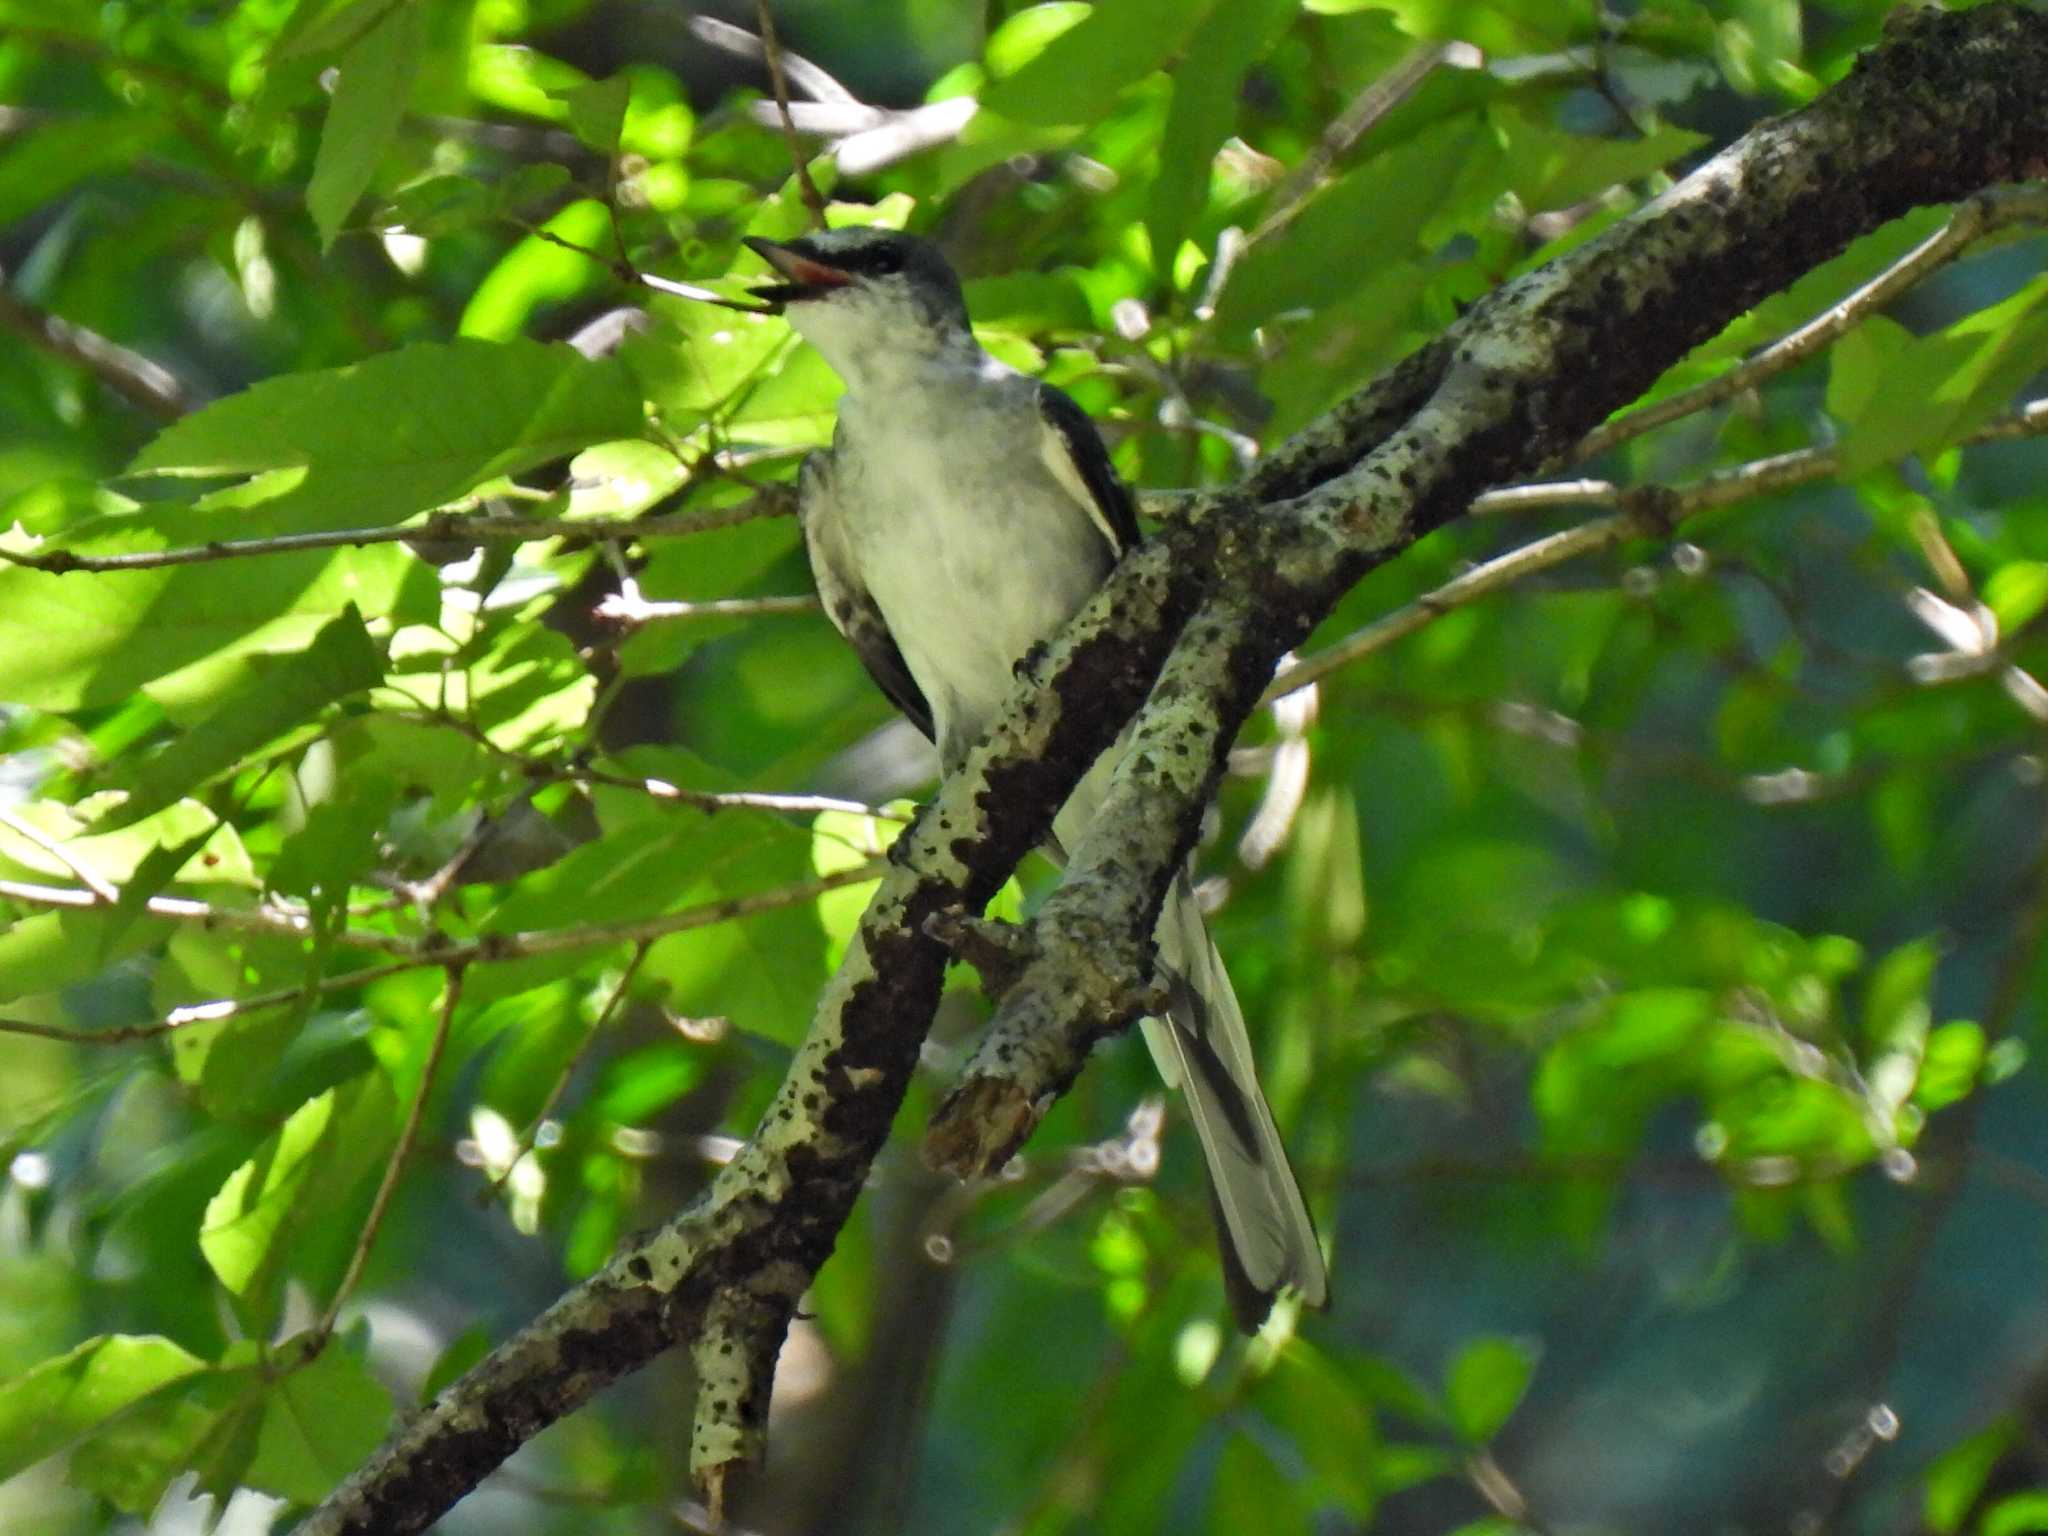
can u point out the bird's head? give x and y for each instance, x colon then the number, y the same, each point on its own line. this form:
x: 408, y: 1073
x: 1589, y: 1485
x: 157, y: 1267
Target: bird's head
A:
x: 858, y: 292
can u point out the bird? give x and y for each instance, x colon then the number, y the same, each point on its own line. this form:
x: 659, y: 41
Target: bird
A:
x: 961, y: 516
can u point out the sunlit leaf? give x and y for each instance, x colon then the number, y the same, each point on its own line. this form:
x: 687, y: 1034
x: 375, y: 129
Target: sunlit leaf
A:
x: 370, y: 98
x: 74, y: 1393
x: 1484, y: 1385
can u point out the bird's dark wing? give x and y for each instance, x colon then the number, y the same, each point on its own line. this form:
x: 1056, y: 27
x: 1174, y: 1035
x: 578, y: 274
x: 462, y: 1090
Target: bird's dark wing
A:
x: 847, y: 602
x: 1073, y: 451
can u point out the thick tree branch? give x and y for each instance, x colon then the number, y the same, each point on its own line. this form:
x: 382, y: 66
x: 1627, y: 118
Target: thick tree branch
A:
x: 1515, y: 384
x: 1951, y: 103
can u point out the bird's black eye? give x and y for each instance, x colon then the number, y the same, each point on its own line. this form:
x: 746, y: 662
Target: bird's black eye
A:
x: 887, y: 259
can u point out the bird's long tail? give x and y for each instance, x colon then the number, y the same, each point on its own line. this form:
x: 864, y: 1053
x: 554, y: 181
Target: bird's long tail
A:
x: 1201, y: 1047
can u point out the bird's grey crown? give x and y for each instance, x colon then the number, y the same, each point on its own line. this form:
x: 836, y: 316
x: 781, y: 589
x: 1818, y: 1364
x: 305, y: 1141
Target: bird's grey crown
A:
x: 887, y: 261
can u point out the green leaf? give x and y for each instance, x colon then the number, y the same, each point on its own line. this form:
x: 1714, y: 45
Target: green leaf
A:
x: 1895, y: 997
x: 1485, y: 1383
x: 1955, y: 1055
x: 49, y: 951
x: 341, y: 661
x: 1024, y: 36
x: 1367, y: 220
x: 2017, y: 592
x: 370, y: 99
x: 62, y: 1398
x: 374, y: 442
x: 1206, y: 83
x: 184, y: 633
x: 1548, y: 168
x: 1934, y: 390
x: 204, y: 1424
x: 244, y: 1218
x: 1078, y: 75
x: 44, y: 163
x: 459, y: 1354
x: 1957, y: 1476
x: 298, y: 1185
x: 537, y: 271
x: 597, y: 111
x: 443, y: 205
x: 1252, y: 1494
x: 325, y: 26
x: 2016, y: 1514
x: 319, y: 1422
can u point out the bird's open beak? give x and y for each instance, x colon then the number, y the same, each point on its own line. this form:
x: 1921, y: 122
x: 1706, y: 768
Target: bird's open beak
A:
x: 809, y: 278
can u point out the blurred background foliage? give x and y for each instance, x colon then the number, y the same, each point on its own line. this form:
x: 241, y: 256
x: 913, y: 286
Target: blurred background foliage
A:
x: 1645, y: 959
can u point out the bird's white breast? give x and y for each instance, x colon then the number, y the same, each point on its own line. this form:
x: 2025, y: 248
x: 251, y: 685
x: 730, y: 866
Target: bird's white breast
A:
x: 971, y: 548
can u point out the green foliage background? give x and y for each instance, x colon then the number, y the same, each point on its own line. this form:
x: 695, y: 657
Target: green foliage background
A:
x: 1648, y: 974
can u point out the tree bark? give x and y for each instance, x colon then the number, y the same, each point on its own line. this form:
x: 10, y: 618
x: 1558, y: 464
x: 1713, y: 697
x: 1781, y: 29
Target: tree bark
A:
x: 1947, y: 105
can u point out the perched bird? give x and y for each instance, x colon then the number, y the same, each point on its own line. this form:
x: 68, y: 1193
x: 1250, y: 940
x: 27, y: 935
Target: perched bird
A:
x: 963, y: 514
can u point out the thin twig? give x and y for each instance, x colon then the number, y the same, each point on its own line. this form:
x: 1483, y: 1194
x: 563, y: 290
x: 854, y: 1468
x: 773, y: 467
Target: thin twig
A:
x: 561, y: 1083
x: 726, y: 800
x: 435, y: 527
x: 86, y: 877
x: 200, y: 1013
x: 1759, y: 477
x: 1974, y: 218
x: 1346, y: 129
x: 407, y: 1135
x: 284, y: 921
x: 1487, y: 577
x: 145, y: 384
x: 771, y: 52
x: 628, y: 607
x: 489, y: 949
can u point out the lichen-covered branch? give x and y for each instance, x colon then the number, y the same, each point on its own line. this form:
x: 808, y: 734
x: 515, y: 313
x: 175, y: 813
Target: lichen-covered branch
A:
x: 1950, y: 103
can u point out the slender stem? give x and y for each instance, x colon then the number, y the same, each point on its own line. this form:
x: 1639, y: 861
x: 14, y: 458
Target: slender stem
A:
x: 1646, y: 508
x: 436, y: 526
x: 771, y: 52
x: 1974, y: 218
x: 409, y: 1133
x: 561, y: 1083
x: 142, y: 382
x: 628, y: 607
x: 85, y: 875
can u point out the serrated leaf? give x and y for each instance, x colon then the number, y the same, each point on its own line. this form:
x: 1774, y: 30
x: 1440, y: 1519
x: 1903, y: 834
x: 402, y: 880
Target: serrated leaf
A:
x: 204, y: 1424
x: 1078, y: 75
x: 370, y: 98
x: 298, y: 1184
x: 1485, y: 1384
x: 377, y: 441
x: 341, y: 661
x: 1364, y: 222
x: 1934, y: 390
x: 318, y: 1423
x: 1206, y: 84
x: 90, y: 640
x: 59, y: 1400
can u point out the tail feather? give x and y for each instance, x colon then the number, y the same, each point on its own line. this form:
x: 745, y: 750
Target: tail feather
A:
x: 1202, y: 1048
